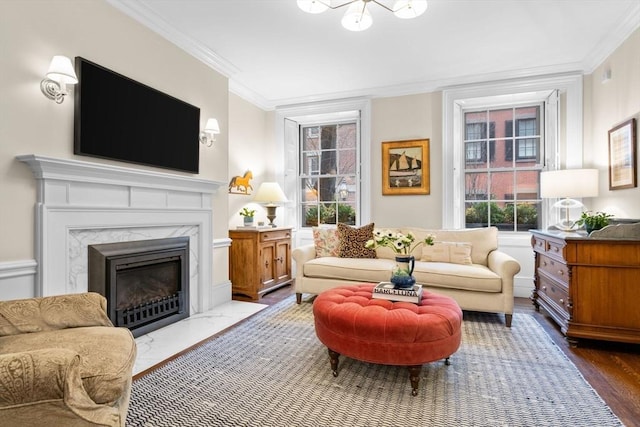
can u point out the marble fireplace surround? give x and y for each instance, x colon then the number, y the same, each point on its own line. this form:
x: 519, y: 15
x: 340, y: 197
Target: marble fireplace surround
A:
x: 82, y: 203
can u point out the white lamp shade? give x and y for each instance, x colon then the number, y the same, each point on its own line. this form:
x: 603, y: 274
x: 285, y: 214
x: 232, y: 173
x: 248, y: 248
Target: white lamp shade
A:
x: 569, y: 183
x: 357, y: 17
x: 61, y: 70
x: 407, y: 9
x: 212, y: 126
x: 269, y: 193
x: 313, y: 6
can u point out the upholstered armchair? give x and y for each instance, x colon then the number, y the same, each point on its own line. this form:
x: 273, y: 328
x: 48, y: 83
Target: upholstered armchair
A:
x: 63, y: 363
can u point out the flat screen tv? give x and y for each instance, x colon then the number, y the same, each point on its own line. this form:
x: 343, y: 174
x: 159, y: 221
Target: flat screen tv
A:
x: 121, y: 119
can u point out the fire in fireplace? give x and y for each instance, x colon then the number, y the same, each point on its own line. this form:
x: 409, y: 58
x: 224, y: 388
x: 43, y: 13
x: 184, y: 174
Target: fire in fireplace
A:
x: 146, y: 282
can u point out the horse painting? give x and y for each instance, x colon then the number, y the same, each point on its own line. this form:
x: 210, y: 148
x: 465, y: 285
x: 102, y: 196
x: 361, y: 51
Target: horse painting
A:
x: 241, y: 183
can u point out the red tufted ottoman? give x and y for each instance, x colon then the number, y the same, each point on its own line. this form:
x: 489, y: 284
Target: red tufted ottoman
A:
x: 349, y: 322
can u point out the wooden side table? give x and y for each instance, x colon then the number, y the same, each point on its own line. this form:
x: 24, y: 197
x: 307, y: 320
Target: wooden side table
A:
x: 259, y: 260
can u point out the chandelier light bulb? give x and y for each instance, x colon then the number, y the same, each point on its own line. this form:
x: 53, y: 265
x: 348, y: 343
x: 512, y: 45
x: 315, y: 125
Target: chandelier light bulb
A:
x: 357, y: 17
x: 407, y: 9
x: 313, y: 6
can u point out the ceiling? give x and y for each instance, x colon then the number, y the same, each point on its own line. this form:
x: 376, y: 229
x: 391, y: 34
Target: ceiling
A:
x: 275, y: 54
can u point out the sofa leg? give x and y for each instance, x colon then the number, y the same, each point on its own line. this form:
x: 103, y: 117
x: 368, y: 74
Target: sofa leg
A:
x: 507, y: 319
x: 298, y: 298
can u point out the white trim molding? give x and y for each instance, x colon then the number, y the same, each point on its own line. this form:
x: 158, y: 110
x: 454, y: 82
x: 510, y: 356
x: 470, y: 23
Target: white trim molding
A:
x: 81, y: 203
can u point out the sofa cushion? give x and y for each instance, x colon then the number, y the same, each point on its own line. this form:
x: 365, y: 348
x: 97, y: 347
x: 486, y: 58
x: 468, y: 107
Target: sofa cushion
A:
x: 353, y: 241
x: 358, y: 270
x: 326, y: 241
x: 106, y: 356
x: 455, y: 276
x: 453, y: 252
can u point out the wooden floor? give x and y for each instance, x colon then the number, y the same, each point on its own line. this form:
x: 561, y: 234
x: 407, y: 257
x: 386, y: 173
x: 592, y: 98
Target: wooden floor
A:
x: 612, y: 369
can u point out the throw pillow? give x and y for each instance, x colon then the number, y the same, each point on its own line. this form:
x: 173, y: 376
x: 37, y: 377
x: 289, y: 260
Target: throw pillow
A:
x: 452, y: 252
x: 353, y: 241
x: 326, y: 241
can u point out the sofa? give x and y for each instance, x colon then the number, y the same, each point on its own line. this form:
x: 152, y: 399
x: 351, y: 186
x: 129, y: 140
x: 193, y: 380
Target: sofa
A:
x: 63, y: 363
x: 463, y: 264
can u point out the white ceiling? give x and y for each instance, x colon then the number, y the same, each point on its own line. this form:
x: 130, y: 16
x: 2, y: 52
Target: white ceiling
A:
x: 275, y: 54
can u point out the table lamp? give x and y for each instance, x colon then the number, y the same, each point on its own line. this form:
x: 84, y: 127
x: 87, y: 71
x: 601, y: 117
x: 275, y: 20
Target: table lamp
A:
x: 567, y: 184
x: 270, y: 194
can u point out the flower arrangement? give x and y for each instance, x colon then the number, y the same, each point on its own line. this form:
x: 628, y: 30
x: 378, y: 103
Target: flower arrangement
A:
x: 247, y: 212
x: 399, y: 242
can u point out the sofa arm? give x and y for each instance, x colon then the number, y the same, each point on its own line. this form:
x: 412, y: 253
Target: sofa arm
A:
x: 40, y: 384
x: 53, y: 313
x: 302, y: 254
x: 504, y: 266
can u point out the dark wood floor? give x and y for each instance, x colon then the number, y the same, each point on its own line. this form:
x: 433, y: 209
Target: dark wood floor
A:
x: 612, y: 369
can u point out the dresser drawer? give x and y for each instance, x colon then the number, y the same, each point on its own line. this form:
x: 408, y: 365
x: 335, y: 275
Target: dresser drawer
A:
x: 555, y: 268
x: 270, y: 236
x: 553, y: 292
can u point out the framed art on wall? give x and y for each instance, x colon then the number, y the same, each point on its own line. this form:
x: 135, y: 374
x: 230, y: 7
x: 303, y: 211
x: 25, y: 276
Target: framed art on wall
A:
x: 622, y: 156
x: 405, y: 167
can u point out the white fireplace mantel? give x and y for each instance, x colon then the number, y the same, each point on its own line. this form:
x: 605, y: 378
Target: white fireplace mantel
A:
x: 82, y: 203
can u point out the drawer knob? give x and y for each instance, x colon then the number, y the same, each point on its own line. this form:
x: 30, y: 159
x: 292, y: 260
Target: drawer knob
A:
x: 544, y: 288
x: 555, y: 249
x: 561, y: 272
x: 561, y: 301
x: 544, y: 263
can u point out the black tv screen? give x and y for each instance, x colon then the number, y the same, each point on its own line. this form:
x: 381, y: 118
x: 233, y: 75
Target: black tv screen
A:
x: 121, y: 119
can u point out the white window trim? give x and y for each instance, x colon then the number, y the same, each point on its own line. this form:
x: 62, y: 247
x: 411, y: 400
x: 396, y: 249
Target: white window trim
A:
x: 310, y: 113
x: 507, y: 92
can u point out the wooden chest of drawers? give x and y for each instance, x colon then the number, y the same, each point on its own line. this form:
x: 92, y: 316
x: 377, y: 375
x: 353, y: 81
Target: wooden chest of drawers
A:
x: 259, y: 260
x: 590, y: 287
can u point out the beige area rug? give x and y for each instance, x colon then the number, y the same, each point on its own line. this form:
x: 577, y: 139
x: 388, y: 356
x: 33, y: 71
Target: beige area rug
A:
x: 271, y: 370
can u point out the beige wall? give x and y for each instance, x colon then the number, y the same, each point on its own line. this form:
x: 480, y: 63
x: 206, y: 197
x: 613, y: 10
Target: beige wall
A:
x: 607, y: 105
x: 405, y: 118
x: 251, y: 147
x: 31, y: 33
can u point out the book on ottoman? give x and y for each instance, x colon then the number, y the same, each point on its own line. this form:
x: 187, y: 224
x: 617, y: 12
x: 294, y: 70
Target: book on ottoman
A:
x: 388, y: 291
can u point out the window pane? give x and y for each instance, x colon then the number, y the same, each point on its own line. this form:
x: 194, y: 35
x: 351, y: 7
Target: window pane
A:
x: 502, y: 185
x: 503, y: 153
x: 310, y: 163
x: 476, y: 186
x: 347, y: 134
x: 309, y: 189
x: 311, y: 138
x: 527, y: 185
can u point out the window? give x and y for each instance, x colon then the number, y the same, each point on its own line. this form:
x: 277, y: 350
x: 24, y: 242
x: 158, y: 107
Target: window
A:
x: 503, y: 193
x: 328, y: 173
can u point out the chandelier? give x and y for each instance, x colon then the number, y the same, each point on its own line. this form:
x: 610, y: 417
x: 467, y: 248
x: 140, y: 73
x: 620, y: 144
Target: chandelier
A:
x: 357, y: 17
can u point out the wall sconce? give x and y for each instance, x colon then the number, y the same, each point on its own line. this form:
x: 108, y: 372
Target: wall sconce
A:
x: 567, y: 184
x: 59, y: 75
x: 270, y: 194
x: 208, y: 134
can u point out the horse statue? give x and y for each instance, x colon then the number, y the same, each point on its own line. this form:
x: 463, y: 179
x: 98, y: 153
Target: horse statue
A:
x: 241, y: 183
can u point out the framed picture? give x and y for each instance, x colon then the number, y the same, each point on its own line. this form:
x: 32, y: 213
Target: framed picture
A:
x: 405, y: 167
x: 622, y: 156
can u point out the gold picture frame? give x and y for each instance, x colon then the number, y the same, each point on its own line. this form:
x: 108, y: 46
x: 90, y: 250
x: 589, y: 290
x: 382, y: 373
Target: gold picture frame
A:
x: 405, y: 167
x: 622, y: 156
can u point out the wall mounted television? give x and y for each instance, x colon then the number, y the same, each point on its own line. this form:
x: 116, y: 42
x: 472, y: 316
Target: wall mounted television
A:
x: 120, y: 119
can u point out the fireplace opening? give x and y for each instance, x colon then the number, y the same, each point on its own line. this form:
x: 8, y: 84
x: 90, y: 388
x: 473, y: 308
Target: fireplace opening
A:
x: 146, y: 282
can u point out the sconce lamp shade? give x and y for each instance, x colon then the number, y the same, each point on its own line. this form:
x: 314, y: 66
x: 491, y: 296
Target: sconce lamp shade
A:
x: 61, y: 70
x: 212, y: 126
x: 270, y: 194
x: 569, y: 183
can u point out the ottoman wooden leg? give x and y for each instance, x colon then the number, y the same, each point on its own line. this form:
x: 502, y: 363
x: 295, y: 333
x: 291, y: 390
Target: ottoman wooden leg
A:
x: 414, y: 377
x: 333, y: 358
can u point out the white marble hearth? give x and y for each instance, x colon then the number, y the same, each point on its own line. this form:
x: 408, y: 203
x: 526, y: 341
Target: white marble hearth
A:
x: 163, y: 343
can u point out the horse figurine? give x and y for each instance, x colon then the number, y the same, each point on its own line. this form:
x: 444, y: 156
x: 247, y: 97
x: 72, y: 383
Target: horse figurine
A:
x: 241, y: 183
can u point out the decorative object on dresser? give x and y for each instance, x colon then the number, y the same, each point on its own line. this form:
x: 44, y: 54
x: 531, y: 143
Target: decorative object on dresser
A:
x: 567, y: 184
x: 272, y: 196
x: 259, y: 260
x: 588, y: 285
x: 247, y: 215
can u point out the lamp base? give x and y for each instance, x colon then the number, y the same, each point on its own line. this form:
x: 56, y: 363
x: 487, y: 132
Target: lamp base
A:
x: 271, y: 215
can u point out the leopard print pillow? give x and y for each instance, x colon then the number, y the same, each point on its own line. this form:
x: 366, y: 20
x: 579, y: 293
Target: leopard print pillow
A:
x: 353, y: 240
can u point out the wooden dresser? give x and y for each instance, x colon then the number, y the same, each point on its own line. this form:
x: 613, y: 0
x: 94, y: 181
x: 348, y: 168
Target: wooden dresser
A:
x: 259, y: 260
x: 589, y: 286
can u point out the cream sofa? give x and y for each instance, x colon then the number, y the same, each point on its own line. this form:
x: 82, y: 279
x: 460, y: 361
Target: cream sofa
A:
x: 484, y: 284
x: 62, y: 363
